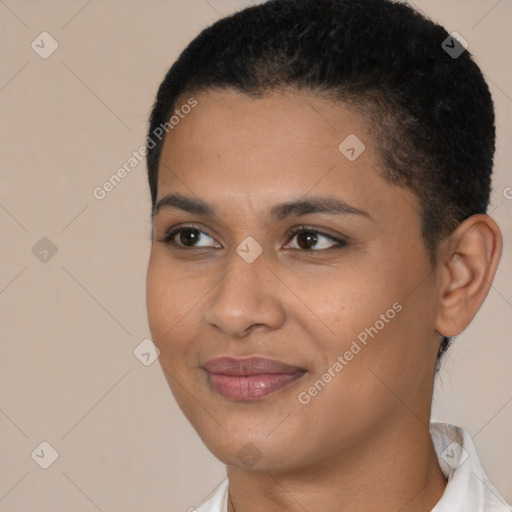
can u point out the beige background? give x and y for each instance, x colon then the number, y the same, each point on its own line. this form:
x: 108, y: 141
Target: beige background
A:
x: 69, y: 326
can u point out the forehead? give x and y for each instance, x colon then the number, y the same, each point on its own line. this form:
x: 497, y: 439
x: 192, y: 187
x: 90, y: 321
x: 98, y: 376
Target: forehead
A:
x: 228, y: 119
x: 267, y: 149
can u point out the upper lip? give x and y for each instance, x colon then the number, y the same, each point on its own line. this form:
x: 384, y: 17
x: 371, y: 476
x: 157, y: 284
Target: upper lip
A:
x: 248, y: 366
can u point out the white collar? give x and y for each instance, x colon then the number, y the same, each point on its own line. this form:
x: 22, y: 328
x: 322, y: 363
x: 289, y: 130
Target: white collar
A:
x: 468, y: 488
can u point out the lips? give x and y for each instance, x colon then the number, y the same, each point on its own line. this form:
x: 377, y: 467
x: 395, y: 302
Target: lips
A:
x: 250, y: 366
x: 250, y: 378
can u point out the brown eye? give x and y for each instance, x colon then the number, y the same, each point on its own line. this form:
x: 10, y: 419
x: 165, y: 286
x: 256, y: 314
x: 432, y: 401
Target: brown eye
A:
x: 189, y: 237
x: 314, y: 240
x: 306, y: 239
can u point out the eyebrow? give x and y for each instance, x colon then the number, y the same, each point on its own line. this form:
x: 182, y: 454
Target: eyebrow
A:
x: 279, y: 212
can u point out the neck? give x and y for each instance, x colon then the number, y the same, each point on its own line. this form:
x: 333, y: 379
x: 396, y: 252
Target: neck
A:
x: 398, y: 470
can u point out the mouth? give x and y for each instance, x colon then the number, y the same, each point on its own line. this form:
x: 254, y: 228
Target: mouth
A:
x: 251, y: 378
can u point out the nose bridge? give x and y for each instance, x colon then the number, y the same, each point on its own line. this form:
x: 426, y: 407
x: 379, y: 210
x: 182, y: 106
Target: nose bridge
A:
x: 242, y: 284
x: 245, y: 295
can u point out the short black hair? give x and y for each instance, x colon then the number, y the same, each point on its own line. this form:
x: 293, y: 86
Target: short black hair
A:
x: 431, y: 112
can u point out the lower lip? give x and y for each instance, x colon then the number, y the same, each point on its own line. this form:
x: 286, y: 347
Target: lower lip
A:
x: 251, y: 387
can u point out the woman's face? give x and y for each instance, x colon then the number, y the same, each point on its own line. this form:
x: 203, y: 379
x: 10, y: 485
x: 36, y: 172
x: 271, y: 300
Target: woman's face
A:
x: 351, y: 310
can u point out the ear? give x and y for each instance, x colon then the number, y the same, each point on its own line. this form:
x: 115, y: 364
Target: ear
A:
x: 467, y: 268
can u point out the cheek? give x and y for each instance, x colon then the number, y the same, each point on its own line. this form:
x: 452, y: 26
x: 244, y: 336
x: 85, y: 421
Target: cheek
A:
x: 157, y: 300
x: 165, y: 299
x: 370, y: 317
x: 350, y: 300
x: 172, y: 306
x: 164, y: 313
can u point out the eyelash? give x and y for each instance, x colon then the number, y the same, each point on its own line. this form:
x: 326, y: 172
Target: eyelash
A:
x: 168, y: 239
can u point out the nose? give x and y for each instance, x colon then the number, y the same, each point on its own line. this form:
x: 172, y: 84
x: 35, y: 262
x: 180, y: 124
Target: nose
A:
x: 247, y: 297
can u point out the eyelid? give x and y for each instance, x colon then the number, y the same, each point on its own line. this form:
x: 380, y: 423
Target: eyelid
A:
x: 341, y: 241
x: 171, y: 233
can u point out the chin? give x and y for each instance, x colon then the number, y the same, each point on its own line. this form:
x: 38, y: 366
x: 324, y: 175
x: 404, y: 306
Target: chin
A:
x: 255, y: 451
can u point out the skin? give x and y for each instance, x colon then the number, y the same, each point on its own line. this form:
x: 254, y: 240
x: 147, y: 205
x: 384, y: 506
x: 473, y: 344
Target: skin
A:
x: 368, y: 427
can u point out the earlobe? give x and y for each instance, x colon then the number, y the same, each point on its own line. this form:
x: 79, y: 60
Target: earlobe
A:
x: 467, y: 270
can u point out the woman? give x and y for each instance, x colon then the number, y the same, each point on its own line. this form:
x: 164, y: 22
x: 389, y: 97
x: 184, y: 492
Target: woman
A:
x: 320, y: 234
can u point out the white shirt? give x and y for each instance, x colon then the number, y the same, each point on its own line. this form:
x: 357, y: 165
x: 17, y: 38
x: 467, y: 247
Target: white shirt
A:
x: 468, y: 488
